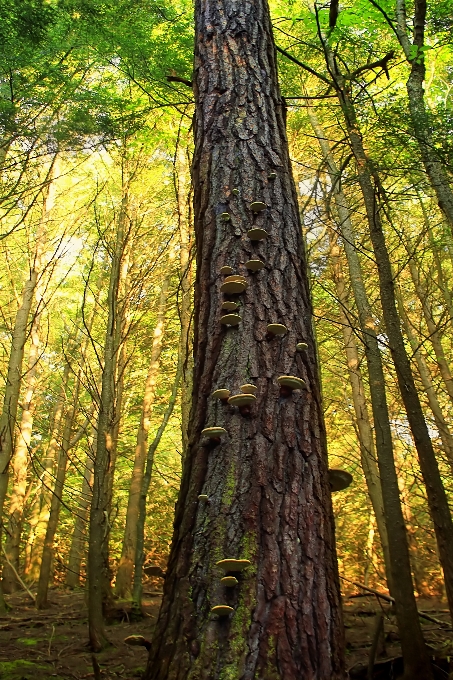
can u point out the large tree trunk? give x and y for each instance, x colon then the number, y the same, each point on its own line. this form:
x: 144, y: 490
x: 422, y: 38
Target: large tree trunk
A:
x: 267, y: 481
x: 123, y: 583
x: 416, y: 657
x: 432, y: 162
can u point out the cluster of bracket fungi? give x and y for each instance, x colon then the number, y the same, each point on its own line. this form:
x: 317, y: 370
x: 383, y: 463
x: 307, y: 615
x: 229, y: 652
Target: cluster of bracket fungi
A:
x: 235, y: 284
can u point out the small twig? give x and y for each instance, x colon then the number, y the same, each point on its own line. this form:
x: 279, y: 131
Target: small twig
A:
x: 378, y: 630
x: 387, y: 598
x: 51, y: 638
x: 17, y: 576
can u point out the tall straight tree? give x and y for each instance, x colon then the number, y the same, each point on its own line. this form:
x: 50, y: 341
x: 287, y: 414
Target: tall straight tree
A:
x: 266, y: 479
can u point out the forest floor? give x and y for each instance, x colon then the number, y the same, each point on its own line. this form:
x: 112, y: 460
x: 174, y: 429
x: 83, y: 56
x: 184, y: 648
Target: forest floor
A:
x: 39, y: 645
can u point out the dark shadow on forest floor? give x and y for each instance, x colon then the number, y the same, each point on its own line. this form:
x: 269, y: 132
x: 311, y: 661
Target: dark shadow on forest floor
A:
x: 360, y: 617
x: 52, y: 644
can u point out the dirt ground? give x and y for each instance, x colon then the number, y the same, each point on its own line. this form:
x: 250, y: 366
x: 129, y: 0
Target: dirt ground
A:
x: 53, y: 643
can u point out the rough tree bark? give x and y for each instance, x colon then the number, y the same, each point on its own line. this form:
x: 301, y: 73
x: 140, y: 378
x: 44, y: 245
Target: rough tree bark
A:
x: 267, y: 482
x: 124, y: 574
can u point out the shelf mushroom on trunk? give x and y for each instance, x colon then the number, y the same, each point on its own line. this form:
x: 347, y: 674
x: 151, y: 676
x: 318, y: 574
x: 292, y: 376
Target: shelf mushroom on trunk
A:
x: 339, y: 479
x: 290, y: 383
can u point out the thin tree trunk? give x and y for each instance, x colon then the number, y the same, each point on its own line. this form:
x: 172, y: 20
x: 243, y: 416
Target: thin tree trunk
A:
x: 99, y: 572
x: 20, y: 467
x: 55, y: 506
x: 76, y: 551
x: 415, y: 655
x: 185, y: 309
x: 267, y: 478
x: 432, y: 162
x: 425, y: 376
x: 365, y: 432
x: 146, y: 481
x: 123, y: 584
x: 437, y: 499
x: 433, y: 329
x: 417, y: 570
x: 11, y: 399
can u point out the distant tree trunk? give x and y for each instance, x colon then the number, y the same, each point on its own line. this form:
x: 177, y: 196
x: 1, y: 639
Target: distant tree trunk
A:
x: 364, y: 429
x: 185, y: 293
x: 415, y: 655
x: 123, y: 583
x: 267, y: 478
x: 99, y: 572
x: 371, y: 191
x: 141, y: 519
x: 425, y: 376
x: 79, y: 534
x: 20, y: 466
x: 55, y: 506
x: 39, y: 516
x: 432, y: 162
x: 8, y: 416
x: 417, y: 569
x: 12, y: 391
x: 433, y: 328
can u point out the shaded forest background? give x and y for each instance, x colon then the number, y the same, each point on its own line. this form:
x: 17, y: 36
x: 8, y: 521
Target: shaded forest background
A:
x: 97, y: 263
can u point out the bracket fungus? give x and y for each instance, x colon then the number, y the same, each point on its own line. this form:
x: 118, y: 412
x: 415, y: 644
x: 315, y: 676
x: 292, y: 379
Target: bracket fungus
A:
x: 243, y: 401
x: 289, y: 383
x: 230, y: 306
x: 339, y: 479
x: 203, y: 498
x: 221, y: 394
x: 248, y: 388
x: 272, y: 175
x: 257, y: 206
x: 234, y: 284
x: 257, y: 234
x: 254, y: 265
x: 233, y: 565
x: 225, y: 217
x: 230, y: 320
x: 213, y: 432
x: 301, y: 347
x: 226, y: 270
x: 276, y: 329
x: 222, y: 610
x: 137, y: 641
x: 229, y: 581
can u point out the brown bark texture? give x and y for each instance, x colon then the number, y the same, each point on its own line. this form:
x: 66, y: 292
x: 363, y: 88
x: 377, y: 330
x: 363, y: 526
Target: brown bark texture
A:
x: 269, y: 498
